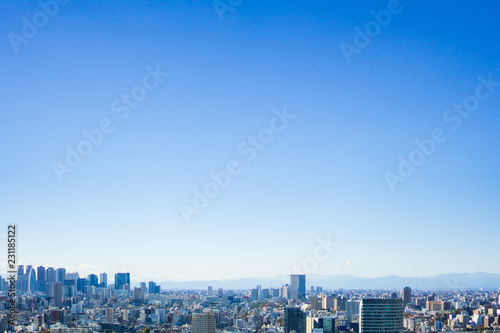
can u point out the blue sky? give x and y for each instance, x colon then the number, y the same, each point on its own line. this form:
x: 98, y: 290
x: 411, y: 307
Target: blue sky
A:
x: 323, y: 174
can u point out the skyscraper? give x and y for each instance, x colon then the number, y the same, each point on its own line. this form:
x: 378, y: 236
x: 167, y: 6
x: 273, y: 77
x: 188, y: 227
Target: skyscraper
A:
x: 103, y: 280
x: 41, y: 279
x: 295, y: 320
x: 152, y: 286
x: 51, y: 275
x: 406, y: 293
x: 122, y: 281
x: 30, y: 272
x: 61, y: 274
x: 58, y: 293
x: 297, y: 286
x: 40, y: 273
x: 92, y: 280
x: 381, y: 315
x: 203, y: 323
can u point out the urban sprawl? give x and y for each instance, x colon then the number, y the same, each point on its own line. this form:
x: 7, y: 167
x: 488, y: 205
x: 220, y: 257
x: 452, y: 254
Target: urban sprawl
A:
x: 42, y: 300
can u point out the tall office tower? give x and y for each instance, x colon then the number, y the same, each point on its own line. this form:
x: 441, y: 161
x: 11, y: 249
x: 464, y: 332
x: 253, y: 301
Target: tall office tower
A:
x: 381, y: 315
x: 210, y: 291
x: 406, y: 293
x: 93, y: 280
x: 61, y: 274
x: 30, y: 273
x: 51, y: 275
x: 143, y: 287
x: 41, y: 279
x: 220, y: 292
x: 58, y: 293
x: 122, y: 281
x: 104, y: 280
x: 20, y: 270
x: 295, y: 320
x: 203, y: 323
x: 151, y: 287
x: 81, y: 285
x: 40, y: 272
x: 264, y: 293
x: 72, y: 276
x: 298, y: 286
x: 108, y: 314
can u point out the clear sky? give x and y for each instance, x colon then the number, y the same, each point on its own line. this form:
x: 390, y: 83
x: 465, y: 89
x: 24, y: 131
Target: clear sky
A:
x: 320, y: 173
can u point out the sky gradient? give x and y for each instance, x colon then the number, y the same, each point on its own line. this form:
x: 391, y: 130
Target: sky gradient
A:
x: 321, y: 175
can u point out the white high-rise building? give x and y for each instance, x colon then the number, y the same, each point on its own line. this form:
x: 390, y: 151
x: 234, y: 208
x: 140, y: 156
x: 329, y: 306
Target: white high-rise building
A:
x: 352, y: 310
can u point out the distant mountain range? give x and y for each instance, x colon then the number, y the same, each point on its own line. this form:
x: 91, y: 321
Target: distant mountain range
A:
x: 444, y: 281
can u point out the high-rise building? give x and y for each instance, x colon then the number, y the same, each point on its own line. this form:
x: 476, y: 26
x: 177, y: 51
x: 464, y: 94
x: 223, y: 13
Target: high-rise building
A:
x: 352, y: 310
x: 58, y: 293
x: 104, y: 280
x: 93, y: 280
x: 406, y: 293
x: 203, y: 323
x: 31, y: 279
x: 61, y: 274
x: 41, y: 279
x: 297, y: 286
x: 381, y: 315
x: 151, y: 287
x: 20, y: 270
x: 143, y: 287
x: 40, y: 273
x: 210, y: 291
x: 122, y: 281
x: 81, y: 285
x: 295, y: 320
x: 51, y: 275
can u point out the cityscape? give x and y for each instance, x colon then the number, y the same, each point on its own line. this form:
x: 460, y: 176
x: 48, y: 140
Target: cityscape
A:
x: 55, y: 300
x: 237, y: 166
